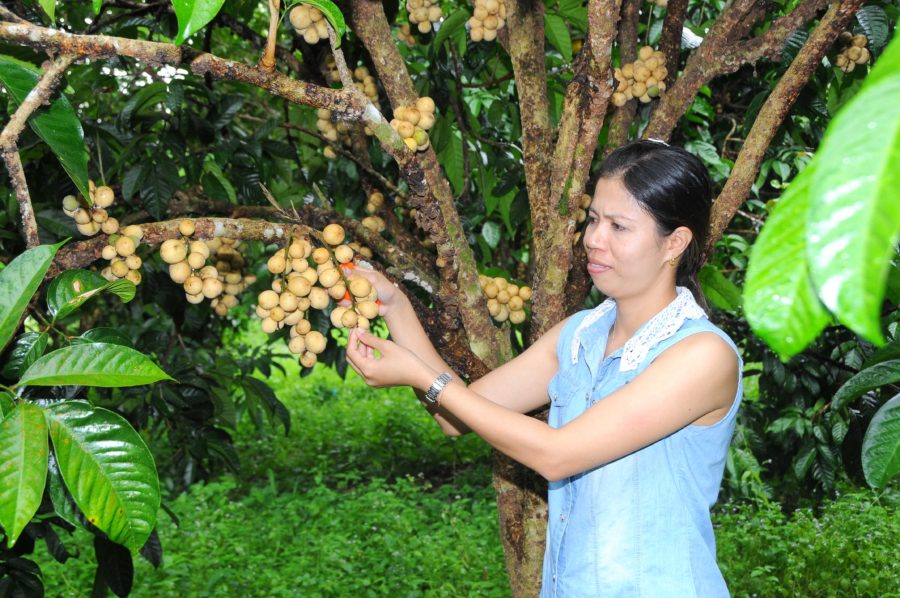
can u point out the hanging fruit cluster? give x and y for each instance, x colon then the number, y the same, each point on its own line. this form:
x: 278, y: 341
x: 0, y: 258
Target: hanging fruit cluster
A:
x: 581, y: 211
x: 309, y: 22
x: 91, y: 219
x: 230, y: 265
x: 423, y: 13
x: 120, y: 252
x: 300, y: 285
x: 643, y: 79
x: 187, y: 265
x: 404, y: 34
x: 374, y: 203
x: 412, y: 122
x: 505, y: 300
x: 488, y: 18
x: 854, y: 51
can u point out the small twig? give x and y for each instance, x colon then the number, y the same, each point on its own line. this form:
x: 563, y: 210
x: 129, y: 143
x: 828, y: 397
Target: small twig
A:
x: 267, y: 62
x: 10, y: 136
x: 340, y: 63
x: 280, y: 210
x: 461, y: 123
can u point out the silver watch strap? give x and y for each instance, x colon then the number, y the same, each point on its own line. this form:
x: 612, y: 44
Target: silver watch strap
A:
x: 432, y: 395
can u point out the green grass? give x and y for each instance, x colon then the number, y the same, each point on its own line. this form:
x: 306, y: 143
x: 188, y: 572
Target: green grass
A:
x: 366, y: 497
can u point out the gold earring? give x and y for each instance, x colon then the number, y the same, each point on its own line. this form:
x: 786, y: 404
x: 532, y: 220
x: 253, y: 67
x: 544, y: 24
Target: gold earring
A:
x: 672, y: 262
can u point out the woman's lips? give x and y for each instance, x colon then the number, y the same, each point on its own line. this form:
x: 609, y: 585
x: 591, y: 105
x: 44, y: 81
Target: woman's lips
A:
x: 595, y: 268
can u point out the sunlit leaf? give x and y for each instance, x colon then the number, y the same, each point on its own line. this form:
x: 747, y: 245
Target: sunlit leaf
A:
x: 193, y: 15
x: 881, y: 445
x: 18, y: 283
x: 23, y: 453
x: 93, y: 364
x: 69, y: 290
x: 454, y: 22
x: 108, y: 469
x: 558, y: 35
x: 779, y: 299
x: 721, y: 292
x: 876, y: 376
x: 104, y: 335
x: 57, y: 125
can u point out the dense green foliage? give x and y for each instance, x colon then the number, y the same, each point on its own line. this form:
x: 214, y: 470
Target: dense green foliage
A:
x: 357, y: 518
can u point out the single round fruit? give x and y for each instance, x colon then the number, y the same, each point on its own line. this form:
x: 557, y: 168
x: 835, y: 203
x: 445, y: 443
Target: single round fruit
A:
x: 212, y: 287
x: 134, y: 231
x: 318, y: 298
x: 133, y: 262
x: 81, y: 216
x: 336, y: 314
x: 268, y: 299
x: 515, y: 303
x: 88, y: 230
x: 359, y: 286
x: 525, y: 293
x: 288, y: 301
x: 303, y: 326
x: 200, y: 247
x: 70, y: 203
x: 299, y: 286
x: 517, y: 316
x: 173, y: 251
x: 299, y: 264
x: 108, y: 253
x: 269, y: 325
x: 369, y: 309
x: 338, y: 291
x: 193, y: 285
x: 333, y: 234
x: 209, y: 272
x: 349, y: 319
x: 315, y: 341
x: 104, y: 196
x: 321, y: 255
x: 99, y: 215
x: 125, y: 246
x: 186, y: 227
x: 343, y: 254
x: 277, y: 314
x: 118, y: 268
x: 293, y: 317
x: 179, y: 272
x: 134, y: 276
x: 491, y: 290
x: 297, y: 345
x: 276, y: 264
x: 329, y: 278
x: 309, y: 358
x: 196, y: 260
x: 110, y: 227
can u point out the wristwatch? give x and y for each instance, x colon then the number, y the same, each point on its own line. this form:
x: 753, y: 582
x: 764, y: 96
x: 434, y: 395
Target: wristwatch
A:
x: 433, y: 394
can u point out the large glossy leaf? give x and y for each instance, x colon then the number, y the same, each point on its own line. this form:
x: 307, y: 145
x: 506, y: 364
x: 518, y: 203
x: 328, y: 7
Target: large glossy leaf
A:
x: 259, y: 389
x: 18, y: 282
x: 876, y: 24
x: 49, y: 7
x: 7, y: 403
x: 63, y: 503
x: 28, y: 348
x: 72, y: 288
x: 104, y: 335
x: 886, y: 372
x: 23, y: 453
x: 93, y: 364
x: 57, y: 125
x: 779, y: 299
x: 108, y: 469
x: 854, y: 215
x: 193, y: 15
x: 457, y: 20
x: 881, y: 445
x: 558, y: 35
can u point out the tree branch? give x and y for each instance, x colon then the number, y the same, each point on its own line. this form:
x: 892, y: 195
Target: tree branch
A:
x: 267, y: 62
x: 670, y: 39
x: 620, y: 123
x: 38, y: 96
x: 773, y: 112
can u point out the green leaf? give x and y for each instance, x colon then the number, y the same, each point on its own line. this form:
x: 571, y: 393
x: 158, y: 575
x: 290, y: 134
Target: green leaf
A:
x: 886, y: 372
x: 275, y: 408
x: 881, y: 445
x: 97, y: 4
x: 212, y: 168
x: 193, y: 15
x: 23, y: 453
x: 454, y: 22
x: 854, y: 216
x: 451, y: 158
x: 28, y: 348
x: 804, y: 461
x: 72, y: 288
x: 104, y: 335
x: 558, y: 35
x: 158, y: 187
x: 491, y: 233
x: 18, y: 283
x: 875, y: 23
x: 333, y: 14
x: 889, y: 351
x: 7, y: 403
x: 93, y: 364
x: 49, y: 7
x: 723, y: 293
x: 108, y: 469
x: 57, y: 125
x: 779, y: 299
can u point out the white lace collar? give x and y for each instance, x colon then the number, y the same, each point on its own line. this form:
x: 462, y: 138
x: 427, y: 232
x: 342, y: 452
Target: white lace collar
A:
x: 658, y: 328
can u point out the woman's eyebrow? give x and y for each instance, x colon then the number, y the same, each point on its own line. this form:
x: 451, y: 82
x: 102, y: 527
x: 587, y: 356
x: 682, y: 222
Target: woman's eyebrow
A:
x: 611, y: 215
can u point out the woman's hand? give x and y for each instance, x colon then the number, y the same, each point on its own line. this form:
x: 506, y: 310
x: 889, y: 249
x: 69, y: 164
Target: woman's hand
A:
x: 395, y: 366
x: 388, y: 294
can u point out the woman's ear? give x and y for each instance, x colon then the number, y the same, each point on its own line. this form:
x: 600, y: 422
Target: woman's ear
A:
x: 678, y: 240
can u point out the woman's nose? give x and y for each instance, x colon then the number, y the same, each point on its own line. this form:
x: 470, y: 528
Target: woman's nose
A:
x: 595, y: 237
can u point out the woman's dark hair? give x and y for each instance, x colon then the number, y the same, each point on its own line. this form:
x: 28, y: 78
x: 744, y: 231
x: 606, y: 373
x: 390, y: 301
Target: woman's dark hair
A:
x: 673, y: 186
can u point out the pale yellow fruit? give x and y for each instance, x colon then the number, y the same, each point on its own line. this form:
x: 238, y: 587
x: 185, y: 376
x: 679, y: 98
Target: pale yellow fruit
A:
x: 293, y: 317
x: 230, y: 301
x: 363, y: 322
x: 425, y: 104
x: 99, y: 215
x: 277, y: 314
x: 308, y: 359
x: 300, y: 17
x: 194, y: 299
x: 119, y: 268
x: 411, y: 143
x: 315, y: 341
x: 299, y: 265
x: 503, y: 314
x: 405, y: 129
x: 503, y: 296
x: 512, y: 289
x: 501, y: 283
x: 107, y: 274
x: 267, y: 299
x: 209, y: 272
x: 328, y: 278
x: 515, y: 303
x: 338, y: 291
x: 349, y: 319
x: 134, y: 276
x: 525, y: 293
x: 333, y: 234
x: 476, y: 33
x: 277, y: 285
x: 276, y: 264
x: 369, y: 309
x: 233, y: 289
x: 269, y: 325
x: 493, y: 307
x: 173, y: 251
x: 110, y: 227
x: 186, y: 227
x: 70, y: 204
x: 220, y: 308
x: 318, y: 298
x: 321, y: 255
x: 196, y: 260
x: 288, y: 301
x: 336, y: 314
x: 645, y: 53
x: 297, y: 345
x: 311, y: 275
x: 490, y: 34
x: 427, y: 121
x: 300, y: 248
x: 193, y: 285
x: 491, y: 289
x: 262, y: 313
x: 89, y: 230
x: 343, y: 254
x: 517, y: 316
x: 179, y: 272
x: 81, y: 216
x: 200, y: 247
x: 233, y: 278
x: 108, y: 253
x: 134, y: 231
x: 133, y: 262
x: 104, y: 196
x: 125, y: 246
x: 303, y: 326
x: 299, y: 286
x: 359, y: 286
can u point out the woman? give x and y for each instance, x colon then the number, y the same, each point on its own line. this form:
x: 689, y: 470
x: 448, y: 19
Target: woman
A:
x: 643, y: 391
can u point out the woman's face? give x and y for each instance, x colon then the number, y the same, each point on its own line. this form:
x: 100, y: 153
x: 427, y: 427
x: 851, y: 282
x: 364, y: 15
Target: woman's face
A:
x: 626, y: 254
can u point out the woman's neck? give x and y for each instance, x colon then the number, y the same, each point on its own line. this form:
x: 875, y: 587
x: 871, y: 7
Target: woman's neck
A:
x: 635, y: 311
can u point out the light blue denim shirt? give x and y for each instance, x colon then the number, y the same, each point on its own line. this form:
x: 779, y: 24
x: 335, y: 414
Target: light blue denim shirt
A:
x: 638, y: 526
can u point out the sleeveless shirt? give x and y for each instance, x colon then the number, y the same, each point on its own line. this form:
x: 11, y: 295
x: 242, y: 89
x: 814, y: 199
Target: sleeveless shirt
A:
x: 640, y: 525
